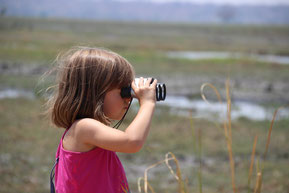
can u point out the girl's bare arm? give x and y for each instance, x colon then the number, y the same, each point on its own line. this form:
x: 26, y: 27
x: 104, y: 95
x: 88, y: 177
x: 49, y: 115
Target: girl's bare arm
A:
x: 131, y: 140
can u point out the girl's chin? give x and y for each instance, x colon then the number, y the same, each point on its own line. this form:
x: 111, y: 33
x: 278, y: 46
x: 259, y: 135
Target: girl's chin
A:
x: 115, y: 118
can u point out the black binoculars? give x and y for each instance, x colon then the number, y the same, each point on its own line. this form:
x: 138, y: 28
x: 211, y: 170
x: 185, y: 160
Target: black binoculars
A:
x: 161, y: 92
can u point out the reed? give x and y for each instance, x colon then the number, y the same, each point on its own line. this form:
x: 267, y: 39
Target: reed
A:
x: 194, y: 140
x: 197, y: 150
x: 258, y: 186
x: 148, y: 184
x: 181, y: 184
x: 228, y: 136
x: 197, y: 147
x: 200, y: 179
x: 252, y: 162
x: 270, y: 131
x: 258, y: 183
x: 178, y: 176
x: 227, y: 125
x: 258, y: 179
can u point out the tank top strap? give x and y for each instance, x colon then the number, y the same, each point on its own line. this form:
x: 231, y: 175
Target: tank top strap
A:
x: 60, y: 143
x: 64, y: 133
x: 52, y: 173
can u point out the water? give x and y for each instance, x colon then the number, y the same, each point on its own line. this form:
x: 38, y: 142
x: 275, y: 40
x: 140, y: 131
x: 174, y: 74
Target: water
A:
x: 181, y: 105
x: 225, y: 55
x: 217, y: 111
x: 16, y: 93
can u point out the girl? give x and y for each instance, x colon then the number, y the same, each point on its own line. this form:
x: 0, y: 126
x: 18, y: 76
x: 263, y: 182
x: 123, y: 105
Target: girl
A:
x: 86, y: 101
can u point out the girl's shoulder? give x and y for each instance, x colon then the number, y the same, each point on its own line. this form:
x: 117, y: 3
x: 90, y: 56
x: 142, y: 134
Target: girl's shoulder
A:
x: 86, y: 126
x: 75, y: 137
x: 81, y: 125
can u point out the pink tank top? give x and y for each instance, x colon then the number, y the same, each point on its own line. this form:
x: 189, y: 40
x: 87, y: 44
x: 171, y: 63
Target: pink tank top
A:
x: 95, y: 171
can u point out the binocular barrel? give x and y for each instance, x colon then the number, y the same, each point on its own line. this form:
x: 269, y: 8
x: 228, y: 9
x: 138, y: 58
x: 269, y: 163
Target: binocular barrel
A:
x: 161, y: 91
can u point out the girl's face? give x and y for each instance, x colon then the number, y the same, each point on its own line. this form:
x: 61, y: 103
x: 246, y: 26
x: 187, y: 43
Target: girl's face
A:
x: 114, y: 105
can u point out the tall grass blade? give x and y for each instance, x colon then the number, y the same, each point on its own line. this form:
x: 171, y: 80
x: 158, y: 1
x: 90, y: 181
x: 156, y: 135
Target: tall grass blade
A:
x: 151, y: 188
x: 194, y: 138
x: 200, y: 158
x: 259, y: 177
x: 146, y: 174
x: 193, y: 131
x: 227, y: 131
x: 213, y: 87
x: 270, y: 130
x: 148, y: 184
x: 229, y: 134
x: 139, y: 184
x: 252, y: 162
x: 205, y: 99
x: 229, y: 109
x: 258, y: 183
x: 179, y: 175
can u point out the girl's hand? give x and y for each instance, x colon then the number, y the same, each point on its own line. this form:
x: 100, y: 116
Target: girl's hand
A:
x: 145, y: 92
x: 131, y: 140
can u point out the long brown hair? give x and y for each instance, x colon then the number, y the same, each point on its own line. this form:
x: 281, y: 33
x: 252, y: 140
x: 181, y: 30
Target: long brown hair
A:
x: 84, y: 75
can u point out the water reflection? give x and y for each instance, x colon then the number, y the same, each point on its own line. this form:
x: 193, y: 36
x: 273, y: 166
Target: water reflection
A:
x: 181, y: 105
x: 225, y: 55
x: 217, y: 111
x: 16, y: 93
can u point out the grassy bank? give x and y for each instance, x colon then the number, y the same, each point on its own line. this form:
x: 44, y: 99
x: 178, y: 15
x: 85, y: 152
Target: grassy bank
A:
x: 48, y: 35
x: 28, y: 145
x: 42, y: 39
x: 34, y: 44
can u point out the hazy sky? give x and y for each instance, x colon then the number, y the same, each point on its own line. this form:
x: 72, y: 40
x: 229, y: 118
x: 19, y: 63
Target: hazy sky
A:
x: 234, y: 2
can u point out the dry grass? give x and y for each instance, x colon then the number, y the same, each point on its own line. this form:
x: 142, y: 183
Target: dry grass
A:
x: 227, y: 126
x: 169, y: 156
x: 252, y: 162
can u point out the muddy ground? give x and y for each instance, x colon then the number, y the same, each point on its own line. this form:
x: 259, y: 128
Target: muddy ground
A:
x: 245, y: 88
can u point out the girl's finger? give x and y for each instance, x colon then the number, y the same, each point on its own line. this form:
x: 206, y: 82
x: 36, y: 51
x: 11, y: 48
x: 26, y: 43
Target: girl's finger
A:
x: 133, y: 85
x: 148, y: 82
x: 140, y: 82
x: 154, y: 84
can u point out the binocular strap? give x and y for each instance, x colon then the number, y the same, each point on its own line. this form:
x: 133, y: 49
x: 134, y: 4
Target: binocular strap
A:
x: 52, y: 174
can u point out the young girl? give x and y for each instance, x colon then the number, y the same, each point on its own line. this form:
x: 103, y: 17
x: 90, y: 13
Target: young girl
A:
x: 87, y: 99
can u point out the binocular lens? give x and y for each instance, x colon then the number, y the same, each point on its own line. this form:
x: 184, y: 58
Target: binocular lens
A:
x: 128, y: 92
x: 161, y: 92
